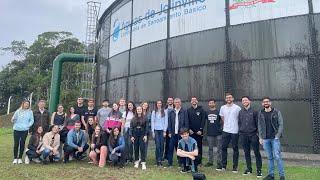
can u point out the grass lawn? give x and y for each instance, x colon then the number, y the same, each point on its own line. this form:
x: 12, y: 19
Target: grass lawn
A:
x: 83, y: 170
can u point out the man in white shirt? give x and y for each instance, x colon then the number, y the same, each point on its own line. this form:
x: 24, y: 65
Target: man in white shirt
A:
x: 229, y: 115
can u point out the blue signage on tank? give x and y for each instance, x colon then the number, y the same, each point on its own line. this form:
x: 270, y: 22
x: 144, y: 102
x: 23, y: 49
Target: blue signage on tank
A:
x: 178, y: 8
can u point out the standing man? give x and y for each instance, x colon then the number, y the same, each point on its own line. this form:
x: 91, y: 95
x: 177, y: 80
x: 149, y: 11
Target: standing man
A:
x: 196, y: 116
x: 229, y: 114
x: 91, y: 111
x: 177, y: 119
x: 270, y: 128
x: 248, y: 131
x: 169, y: 108
x: 103, y: 113
x: 41, y: 117
x: 122, y: 105
x: 214, y: 132
x: 80, y: 108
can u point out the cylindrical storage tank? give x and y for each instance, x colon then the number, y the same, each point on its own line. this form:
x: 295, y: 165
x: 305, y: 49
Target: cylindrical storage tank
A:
x: 151, y: 50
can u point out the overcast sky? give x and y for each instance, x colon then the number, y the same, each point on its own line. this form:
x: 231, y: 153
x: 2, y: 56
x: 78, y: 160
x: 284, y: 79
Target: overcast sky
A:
x: 25, y: 19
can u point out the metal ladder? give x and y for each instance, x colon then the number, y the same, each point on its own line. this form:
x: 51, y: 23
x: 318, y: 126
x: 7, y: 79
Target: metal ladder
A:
x: 88, y: 73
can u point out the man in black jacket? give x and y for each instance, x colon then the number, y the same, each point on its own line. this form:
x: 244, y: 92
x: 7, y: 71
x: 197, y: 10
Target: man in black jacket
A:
x: 196, y: 116
x: 41, y: 117
x: 177, y: 119
x: 248, y: 131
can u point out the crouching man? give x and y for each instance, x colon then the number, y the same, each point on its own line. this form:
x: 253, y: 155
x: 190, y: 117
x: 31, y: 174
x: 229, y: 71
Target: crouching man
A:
x: 76, y: 143
x: 188, y: 152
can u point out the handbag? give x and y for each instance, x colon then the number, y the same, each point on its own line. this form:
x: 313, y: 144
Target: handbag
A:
x: 198, y: 176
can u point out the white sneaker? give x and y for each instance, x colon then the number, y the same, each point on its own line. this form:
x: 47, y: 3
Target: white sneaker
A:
x: 136, y: 164
x: 15, y: 161
x: 19, y: 161
x: 143, y: 164
x: 26, y: 160
x: 36, y: 160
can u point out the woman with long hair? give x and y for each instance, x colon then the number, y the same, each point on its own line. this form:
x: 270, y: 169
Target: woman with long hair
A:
x: 71, y: 119
x: 147, y: 114
x: 22, y: 121
x: 128, y: 115
x: 114, y: 119
x: 59, y: 117
x: 138, y: 134
x: 99, y: 149
x: 35, y: 147
x: 159, y: 124
x: 116, y: 147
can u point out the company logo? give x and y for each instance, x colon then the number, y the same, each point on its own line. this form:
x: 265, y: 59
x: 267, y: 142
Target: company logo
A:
x: 248, y: 3
x: 116, y: 30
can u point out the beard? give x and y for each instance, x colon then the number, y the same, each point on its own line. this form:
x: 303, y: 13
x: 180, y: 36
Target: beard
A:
x: 266, y: 106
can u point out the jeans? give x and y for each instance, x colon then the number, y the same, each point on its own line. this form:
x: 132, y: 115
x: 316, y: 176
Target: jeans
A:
x: 189, y: 162
x: 159, y: 141
x: 249, y: 141
x: 47, y: 152
x: 273, y: 150
x: 226, y: 138
x: 198, y: 138
x: 139, y: 145
x: 166, y: 146
x: 32, y: 154
x: 128, y: 146
x: 211, y: 140
x: 19, y: 138
x: 173, y: 145
x: 70, y: 150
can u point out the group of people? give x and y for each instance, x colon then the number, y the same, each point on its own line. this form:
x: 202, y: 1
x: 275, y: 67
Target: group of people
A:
x: 120, y: 133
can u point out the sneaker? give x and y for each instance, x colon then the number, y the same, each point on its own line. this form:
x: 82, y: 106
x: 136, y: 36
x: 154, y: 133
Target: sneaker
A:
x: 136, y: 164
x: 269, y: 177
x: 144, y: 167
x: 45, y: 162
x: 15, y: 161
x: 19, y: 161
x: 208, y: 164
x: 235, y: 170
x: 247, y: 172
x: 219, y: 167
x: 36, y: 160
x: 184, y: 170
x: 168, y: 166
x: 282, y: 178
x: 26, y: 160
x: 259, y: 174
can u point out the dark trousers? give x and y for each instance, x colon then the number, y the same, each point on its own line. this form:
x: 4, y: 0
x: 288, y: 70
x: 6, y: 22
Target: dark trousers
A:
x: 187, y: 162
x: 198, y: 138
x: 166, y: 146
x: 139, y: 145
x: 32, y: 154
x: 70, y: 150
x: 173, y: 146
x: 226, y: 138
x: 19, y: 140
x: 118, y: 158
x: 159, y: 141
x: 128, y: 146
x: 249, y: 141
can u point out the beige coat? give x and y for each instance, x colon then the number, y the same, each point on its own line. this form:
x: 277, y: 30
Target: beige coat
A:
x: 47, y: 138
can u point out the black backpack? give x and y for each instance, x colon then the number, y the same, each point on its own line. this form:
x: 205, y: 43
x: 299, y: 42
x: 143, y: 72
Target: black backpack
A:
x: 198, y: 176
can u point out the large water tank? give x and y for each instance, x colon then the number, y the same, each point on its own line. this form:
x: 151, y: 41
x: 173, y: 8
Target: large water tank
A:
x: 154, y: 49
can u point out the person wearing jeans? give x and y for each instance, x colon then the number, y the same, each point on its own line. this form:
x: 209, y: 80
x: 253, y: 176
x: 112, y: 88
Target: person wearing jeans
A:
x: 159, y: 124
x: 51, y: 144
x: 139, y: 134
x: 177, y: 119
x: 116, y: 147
x: 214, y: 132
x: 229, y: 114
x: 127, y: 116
x: 22, y: 121
x: 270, y: 128
x: 248, y: 130
x: 76, y: 143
